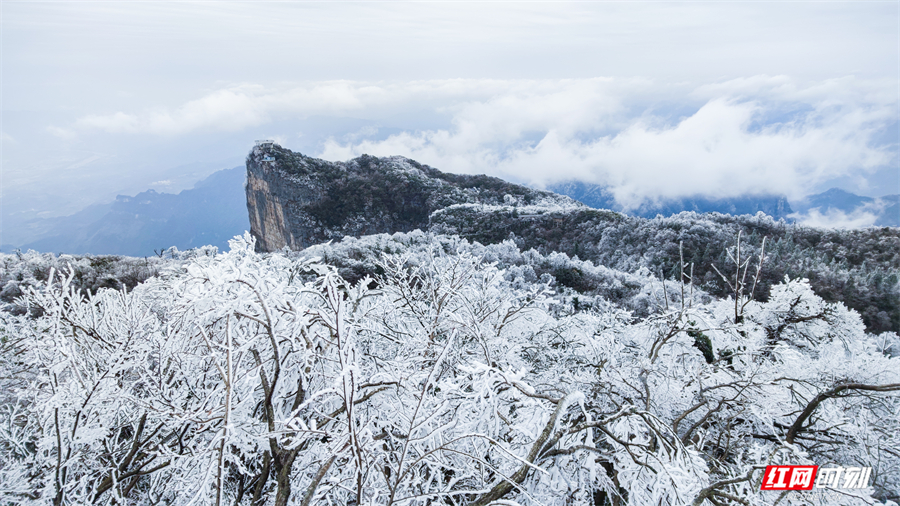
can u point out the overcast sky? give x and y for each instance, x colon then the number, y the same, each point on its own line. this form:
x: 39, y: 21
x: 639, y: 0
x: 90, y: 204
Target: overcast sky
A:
x: 654, y: 99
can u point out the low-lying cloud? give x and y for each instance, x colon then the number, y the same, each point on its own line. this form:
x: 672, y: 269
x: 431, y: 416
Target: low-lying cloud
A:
x: 865, y: 215
x: 645, y: 140
x: 835, y: 218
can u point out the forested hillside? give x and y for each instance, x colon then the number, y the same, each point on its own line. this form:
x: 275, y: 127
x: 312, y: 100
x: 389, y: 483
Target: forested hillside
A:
x: 856, y: 267
x: 296, y: 201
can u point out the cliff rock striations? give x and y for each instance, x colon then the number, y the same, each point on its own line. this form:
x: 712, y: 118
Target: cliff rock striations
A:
x: 297, y: 201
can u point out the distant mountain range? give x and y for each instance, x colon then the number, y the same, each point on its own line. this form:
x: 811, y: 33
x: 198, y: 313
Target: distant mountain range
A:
x: 211, y: 213
x: 215, y: 210
x: 599, y: 197
x: 882, y: 212
x: 835, y: 207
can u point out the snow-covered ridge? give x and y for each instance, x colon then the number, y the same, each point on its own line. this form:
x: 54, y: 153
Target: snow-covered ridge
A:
x: 542, y: 207
x: 296, y: 200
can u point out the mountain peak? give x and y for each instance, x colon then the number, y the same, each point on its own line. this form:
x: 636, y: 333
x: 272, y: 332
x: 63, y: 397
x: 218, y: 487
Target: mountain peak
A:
x: 295, y: 200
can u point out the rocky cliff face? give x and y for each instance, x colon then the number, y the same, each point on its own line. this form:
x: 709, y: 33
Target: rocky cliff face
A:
x: 297, y: 201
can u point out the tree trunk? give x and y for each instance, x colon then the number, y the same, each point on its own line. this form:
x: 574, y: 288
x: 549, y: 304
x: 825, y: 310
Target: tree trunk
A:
x: 284, y: 461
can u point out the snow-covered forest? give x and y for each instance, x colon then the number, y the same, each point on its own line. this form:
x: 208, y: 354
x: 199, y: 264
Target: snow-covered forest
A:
x: 856, y: 267
x: 416, y: 369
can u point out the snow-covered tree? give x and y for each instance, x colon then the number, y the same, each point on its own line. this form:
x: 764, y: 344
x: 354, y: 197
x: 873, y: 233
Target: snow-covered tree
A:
x: 240, y: 378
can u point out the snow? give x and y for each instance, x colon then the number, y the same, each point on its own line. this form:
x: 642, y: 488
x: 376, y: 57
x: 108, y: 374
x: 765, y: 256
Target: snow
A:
x: 435, y: 381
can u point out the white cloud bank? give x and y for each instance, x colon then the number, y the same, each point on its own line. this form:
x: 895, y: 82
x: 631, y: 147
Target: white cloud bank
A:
x: 645, y: 140
x: 863, y: 216
x: 835, y: 218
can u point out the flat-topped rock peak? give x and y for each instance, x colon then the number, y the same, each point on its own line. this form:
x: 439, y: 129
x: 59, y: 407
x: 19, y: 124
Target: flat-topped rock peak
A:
x: 296, y: 200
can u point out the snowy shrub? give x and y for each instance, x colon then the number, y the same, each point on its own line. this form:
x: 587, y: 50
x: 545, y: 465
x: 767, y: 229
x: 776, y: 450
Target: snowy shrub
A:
x: 452, y: 377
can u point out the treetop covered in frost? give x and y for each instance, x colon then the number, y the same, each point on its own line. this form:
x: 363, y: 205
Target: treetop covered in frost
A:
x: 449, y: 376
